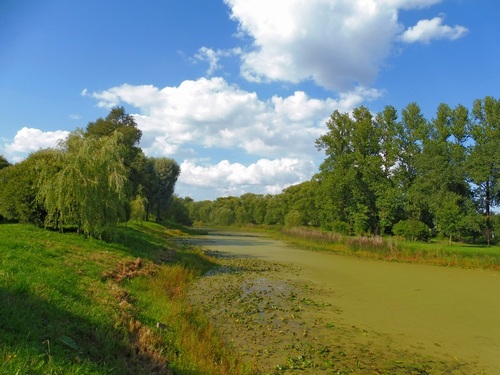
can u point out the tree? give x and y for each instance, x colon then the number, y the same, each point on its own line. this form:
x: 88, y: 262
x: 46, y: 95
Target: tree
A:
x: 483, y: 161
x: 442, y: 159
x: 302, y: 198
x: 336, y: 174
x: 18, y: 187
x: 353, y: 170
x: 130, y: 135
x: 89, y: 190
x: 138, y: 206
x: 178, y: 210
x: 162, y: 174
x: 3, y: 162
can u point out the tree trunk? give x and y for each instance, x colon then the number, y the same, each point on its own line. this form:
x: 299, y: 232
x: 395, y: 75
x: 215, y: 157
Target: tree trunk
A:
x: 488, y: 215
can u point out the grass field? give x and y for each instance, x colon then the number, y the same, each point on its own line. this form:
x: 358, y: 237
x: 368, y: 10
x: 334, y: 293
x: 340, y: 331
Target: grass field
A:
x: 73, y: 305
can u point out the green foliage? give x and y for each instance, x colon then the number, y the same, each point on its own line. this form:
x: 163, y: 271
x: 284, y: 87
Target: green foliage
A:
x: 89, y: 191
x: 222, y: 216
x: 293, y: 219
x: 18, y: 187
x: 138, y: 208
x: 95, y: 179
x: 483, y: 162
x: 412, y: 229
x: 341, y: 227
x: 178, y: 211
x: 3, y: 162
x: 159, y: 176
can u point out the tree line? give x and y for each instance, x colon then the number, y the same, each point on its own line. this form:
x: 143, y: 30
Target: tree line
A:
x: 389, y: 173
x: 93, y: 180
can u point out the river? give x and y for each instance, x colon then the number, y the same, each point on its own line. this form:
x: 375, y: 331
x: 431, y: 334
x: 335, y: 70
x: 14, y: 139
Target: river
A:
x: 430, y: 309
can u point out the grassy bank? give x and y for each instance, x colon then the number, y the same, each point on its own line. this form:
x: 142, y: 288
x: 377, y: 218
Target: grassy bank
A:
x: 393, y: 249
x: 72, y: 305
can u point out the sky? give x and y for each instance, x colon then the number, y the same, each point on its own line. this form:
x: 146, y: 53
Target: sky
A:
x: 236, y: 91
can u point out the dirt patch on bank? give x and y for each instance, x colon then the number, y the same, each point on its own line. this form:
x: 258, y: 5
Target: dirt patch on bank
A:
x: 283, y: 326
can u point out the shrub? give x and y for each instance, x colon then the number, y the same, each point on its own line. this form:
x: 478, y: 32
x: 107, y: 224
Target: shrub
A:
x: 412, y: 229
x: 341, y: 227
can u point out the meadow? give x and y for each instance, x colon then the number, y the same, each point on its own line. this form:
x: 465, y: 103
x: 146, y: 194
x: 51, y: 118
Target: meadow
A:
x: 75, y: 305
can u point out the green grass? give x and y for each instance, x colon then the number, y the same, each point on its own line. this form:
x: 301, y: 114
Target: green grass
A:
x: 73, y: 305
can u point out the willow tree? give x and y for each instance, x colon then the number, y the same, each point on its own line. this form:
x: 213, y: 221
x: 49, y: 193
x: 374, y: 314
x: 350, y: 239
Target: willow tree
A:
x: 89, y: 190
x: 119, y: 121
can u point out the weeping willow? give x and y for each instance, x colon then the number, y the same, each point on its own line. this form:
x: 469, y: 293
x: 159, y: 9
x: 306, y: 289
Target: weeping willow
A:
x: 89, y: 190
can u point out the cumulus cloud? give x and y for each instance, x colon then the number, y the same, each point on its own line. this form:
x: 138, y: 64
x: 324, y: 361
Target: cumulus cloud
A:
x: 339, y: 44
x: 427, y: 30
x: 262, y: 177
x: 29, y: 140
x: 209, y: 116
x: 214, y: 114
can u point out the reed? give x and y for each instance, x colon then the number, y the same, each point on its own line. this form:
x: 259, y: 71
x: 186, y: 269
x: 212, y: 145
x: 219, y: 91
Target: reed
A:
x: 394, y: 249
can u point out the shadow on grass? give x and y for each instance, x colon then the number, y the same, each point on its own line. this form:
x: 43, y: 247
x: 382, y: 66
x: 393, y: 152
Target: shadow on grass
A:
x: 38, y: 337
x: 157, y: 243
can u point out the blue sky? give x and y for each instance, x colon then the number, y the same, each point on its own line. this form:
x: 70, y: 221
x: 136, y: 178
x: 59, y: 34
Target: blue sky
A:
x: 236, y: 91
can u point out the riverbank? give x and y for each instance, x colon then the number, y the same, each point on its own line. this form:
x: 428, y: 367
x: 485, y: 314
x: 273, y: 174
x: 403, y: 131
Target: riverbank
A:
x: 434, y: 252
x: 74, y: 305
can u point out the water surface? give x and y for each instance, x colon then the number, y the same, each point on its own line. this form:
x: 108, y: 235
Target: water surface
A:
x: 428, y: 309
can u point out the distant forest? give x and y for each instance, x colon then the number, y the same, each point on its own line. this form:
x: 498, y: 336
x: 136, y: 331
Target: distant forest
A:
x: 384, y: 174
x: 389, y: 174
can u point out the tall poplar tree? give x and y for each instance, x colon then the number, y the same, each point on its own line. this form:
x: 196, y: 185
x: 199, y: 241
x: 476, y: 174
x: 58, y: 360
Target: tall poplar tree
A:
x: 483, y: 163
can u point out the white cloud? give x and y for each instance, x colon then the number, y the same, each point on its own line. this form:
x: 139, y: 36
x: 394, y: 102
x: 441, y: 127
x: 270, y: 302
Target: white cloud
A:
x: 211, y: 118
x: 427, y: 30
x: 262, y: 177
x: 339, y: 44
x: 214, y: 114
x: 212, y: 57
x: 410, y: 4
x: 29, y: 140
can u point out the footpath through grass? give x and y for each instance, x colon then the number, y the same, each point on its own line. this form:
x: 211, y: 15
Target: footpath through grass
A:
x: 73, y: 305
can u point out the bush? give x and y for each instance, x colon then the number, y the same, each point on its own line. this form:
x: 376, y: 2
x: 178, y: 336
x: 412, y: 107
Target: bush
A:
x: 412, y: 229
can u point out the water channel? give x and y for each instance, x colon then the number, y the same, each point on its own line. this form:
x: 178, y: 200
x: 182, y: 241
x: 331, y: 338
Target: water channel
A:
x: 430, y: 309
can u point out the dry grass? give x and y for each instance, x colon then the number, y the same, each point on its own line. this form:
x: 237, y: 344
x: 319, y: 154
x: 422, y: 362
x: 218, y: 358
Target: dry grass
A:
x: 194, y: 345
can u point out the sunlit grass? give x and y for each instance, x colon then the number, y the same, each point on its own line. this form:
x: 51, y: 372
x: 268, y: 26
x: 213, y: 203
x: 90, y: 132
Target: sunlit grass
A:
x: 73, y: 305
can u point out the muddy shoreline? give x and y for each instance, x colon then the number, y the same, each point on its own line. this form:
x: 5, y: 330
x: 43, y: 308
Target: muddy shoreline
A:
x: 282, y: 323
